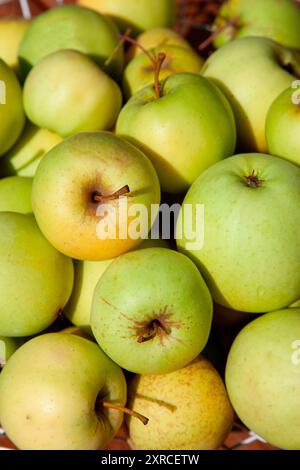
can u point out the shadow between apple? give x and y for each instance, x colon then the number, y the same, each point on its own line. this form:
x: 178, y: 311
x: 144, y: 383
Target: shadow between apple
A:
x: 160, y: 164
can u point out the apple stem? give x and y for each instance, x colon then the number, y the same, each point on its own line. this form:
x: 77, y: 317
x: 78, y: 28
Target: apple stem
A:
x: 228, y: 23
x: 123, y: 39
x: 126, y: 38
x: 142, y: 418
x: 152, y: 331
x: 253, y: 180
x: 97, y: 197
x: 158, y: 64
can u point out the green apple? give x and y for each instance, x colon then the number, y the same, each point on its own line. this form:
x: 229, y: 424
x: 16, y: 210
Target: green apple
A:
x: 138, y: 15
x: 87, y: 274
x: 15, y: 194
x: 66, y: 92
x: 140, y: 70
x: 76, y: 193
x: 275, y: 19
x: 53, y: 393
x: 156, y: 38
x: 151, y: 311
x: 263, y: 377
x: 12, y: 31
x: 188, y: 409
x: 7, y: 347
x: 252, y: 72
x: 283, y: 126
x: 25, y: 156
x: 12, y: 115
x: 178, y: 130
x: 71, y: 27
x: 250, y: 257
x: 35, y: 280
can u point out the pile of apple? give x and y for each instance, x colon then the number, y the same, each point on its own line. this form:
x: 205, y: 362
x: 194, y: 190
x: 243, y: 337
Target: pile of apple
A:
x: 102, y: 103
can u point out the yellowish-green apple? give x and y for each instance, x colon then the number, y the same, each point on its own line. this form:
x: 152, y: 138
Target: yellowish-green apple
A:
x: 54, y: 391
x: 252, y: 72
x: 12, y: 31
x: 7, y: 347
x: 188, y: 409
x: 263, y: 377
x: 87, y: 274
x: 72, y: 27
x: 156, y: 38
x: 35, y: 279
x: 15, y: 194
x: 12, y: 115
x: 151, y: 311
x: 87, y: 194
x: 250, y: 257
x: 283, y: 126
x: 25, y: 156
x: 274, y: 19
x: 138, y: 15
x: 66, y: 92
x: 140, y: 70
x: 188, y: 128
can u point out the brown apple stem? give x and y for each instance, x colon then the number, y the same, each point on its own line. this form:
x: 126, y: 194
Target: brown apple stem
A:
x: 126, y: 38
x: 97, y: 197
x: 151, y: 331
x: 253, y: 181
x: 118, y: 46
x: 142, y: 418
x: 158, y: 64
x: 217, y: 32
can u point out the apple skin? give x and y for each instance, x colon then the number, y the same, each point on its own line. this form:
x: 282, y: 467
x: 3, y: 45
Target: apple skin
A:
x: 15, y: 194
x: 188, y: 409
x: 66, y: 180
x: 251, y: 94
x: 71, y: 27
x: 11, y: 33
x: 140, y: 71
x: 283, y: 127
x: 262, y: 379
x: 47, y: 401
x: 175, y: 132
x: 155, y: 284
x: 251, y: 253
x: 25, y: 156
x: 12, y: 115
x: 274, y: 19
x: 139, y: 16
x: 66, y: 92
x: 87, y: 274
x: 156, y: 37
x: 35, y: 280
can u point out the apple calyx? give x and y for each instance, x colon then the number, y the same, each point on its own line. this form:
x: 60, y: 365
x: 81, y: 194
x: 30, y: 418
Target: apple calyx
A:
x: 151, y: 330
x: 231, y: 24
x: 253, y: 181
x: 98, y: 197
x: 125, y: 410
